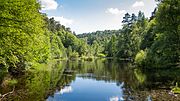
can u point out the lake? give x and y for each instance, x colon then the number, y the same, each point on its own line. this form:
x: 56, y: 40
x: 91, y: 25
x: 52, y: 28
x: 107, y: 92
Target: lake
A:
x: 97, y: 80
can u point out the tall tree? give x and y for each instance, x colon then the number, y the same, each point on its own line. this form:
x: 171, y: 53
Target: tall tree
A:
x: 165, y: 49
x: 22, y: 36
x: 111, y: 47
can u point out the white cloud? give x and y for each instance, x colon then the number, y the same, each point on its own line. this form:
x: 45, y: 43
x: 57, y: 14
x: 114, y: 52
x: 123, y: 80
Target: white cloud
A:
x: 62, y: 20
x: 115, y: 11
x: 138, y: 4
x: 48, y: 4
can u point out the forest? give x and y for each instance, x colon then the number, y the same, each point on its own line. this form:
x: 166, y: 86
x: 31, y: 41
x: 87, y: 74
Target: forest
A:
x: 29, y: 36
x: 29, y: 39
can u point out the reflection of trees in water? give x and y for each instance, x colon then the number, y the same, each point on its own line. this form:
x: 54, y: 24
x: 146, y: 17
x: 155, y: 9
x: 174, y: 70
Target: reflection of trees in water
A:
x: 159, y: 78
x: 157, y: 83
x: 40, y: 84
x: 107, y: 70
x: 37, y: 84
x: 142, y: 82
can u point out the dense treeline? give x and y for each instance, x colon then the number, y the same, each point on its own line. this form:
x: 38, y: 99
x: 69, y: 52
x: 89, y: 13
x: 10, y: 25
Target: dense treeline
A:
x: 153, y: 42
x: 22, y: 34
x: 99, y: 41
x: 123, y: 43
x: 63, y: 42
x: 160, y: 46
x: 28, y: 36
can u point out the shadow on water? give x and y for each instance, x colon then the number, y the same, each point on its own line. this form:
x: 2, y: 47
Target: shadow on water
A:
x: 101, y: 79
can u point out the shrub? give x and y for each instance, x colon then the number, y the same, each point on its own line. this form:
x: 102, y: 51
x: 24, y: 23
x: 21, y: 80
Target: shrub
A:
x: 140, y: 57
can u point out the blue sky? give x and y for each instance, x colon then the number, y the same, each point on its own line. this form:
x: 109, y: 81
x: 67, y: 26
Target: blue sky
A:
x: 92, y: 15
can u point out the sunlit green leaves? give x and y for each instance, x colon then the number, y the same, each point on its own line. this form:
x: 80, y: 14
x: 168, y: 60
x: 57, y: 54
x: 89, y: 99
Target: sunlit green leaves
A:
x: 22, y: 33
x: 164, y: 49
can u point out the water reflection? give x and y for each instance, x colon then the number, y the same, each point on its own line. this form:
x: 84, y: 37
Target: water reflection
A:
x: 89, y: 90
x: 98, y: 80
x: 66, y: 89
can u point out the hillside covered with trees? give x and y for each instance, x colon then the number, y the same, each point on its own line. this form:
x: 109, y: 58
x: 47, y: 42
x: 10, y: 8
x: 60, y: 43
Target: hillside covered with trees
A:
x: 28, y: 36
x: 42, y: 59
x: 150, y: 42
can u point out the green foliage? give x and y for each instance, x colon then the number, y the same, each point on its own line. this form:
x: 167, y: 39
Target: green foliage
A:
x: 82, y: 48
x: 164, y: 49
x: 140, y: 57
x: 10, y: 82
x: 22, y: 35
x: 149, y: 35
x: 101, y: 42
x: 57, y: 48
x: 176, y: 89
x: 152, y: 44
x: 64, y: 43
x: 90, y: 58
x: 101, y: 37
x: 130, y: 39
x: 74, y: 55
x: 111, y: 47
x: 140, y: 76
x: 101, y: 55
x: 69, y: 51
x: 27, y: 36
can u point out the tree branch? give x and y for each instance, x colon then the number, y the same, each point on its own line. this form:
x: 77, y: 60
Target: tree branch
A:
x: 2, y: 96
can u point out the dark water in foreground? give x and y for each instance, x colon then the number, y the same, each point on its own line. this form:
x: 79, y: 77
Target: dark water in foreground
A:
x: 98, y: 80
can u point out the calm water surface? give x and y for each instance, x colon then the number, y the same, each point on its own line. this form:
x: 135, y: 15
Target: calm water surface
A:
x: 88, y: 90
x: 98, y: 80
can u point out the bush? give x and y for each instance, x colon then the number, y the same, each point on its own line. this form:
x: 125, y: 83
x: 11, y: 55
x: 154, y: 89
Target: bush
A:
x: 140, y: 57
